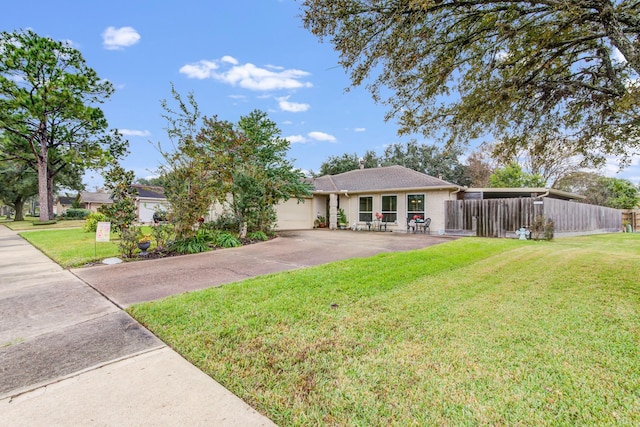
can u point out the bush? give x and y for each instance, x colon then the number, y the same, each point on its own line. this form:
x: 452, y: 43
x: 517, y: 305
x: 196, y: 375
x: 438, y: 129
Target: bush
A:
x: 226, y: 240
x: 225, y: 222
x: 193, y: 245
x: 77, y: 213
x: 128, y: 242
x: 91, y: 224
x: 258, y: 235
x: 162, y: 234
x: 542, y: 228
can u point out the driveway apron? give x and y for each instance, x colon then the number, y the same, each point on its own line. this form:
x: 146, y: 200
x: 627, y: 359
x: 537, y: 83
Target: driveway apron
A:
x: 69, y: 356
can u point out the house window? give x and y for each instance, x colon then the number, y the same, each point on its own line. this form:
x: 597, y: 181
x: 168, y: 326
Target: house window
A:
x: 415, y: 206
x: 389, y: 208
x: 366, y: 209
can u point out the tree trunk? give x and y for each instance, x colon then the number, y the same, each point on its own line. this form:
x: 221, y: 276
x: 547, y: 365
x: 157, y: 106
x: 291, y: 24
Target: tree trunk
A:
x: 243, y: 229
x: 43, y: 176
x: 50, y: 195
x: 43, y: 188
x: 18, y: 205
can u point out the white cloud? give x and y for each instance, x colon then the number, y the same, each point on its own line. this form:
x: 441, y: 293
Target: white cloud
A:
x: 228, y: 70
x: 292, y: 107
x: 287, y: 122
x: 611, y: 168
x: 230, y: 60
x: 321, y: 136
x: 296, y: 139
x: 200, y: 70
x: 360, y: 129
x: 134, y: 132
x: 118, y: 38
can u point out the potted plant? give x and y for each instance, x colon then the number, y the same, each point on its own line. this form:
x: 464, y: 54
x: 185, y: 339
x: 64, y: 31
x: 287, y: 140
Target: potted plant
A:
x: 144, y: 241
x: 342, y: 219
x: 322, y: 221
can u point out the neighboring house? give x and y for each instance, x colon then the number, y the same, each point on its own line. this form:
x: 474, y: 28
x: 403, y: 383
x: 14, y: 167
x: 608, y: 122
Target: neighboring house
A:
x: 150, y: 199
x: 63, y: 203
x: 395, y: 193
x: 93, y: 200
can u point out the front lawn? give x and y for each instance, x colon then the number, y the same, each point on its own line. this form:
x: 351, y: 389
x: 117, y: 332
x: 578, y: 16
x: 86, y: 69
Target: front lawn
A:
x: 29, y: 225
x: 472, y: 332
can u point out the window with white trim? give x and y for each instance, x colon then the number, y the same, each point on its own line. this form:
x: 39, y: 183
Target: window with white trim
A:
x: 415, y: 206
x: 365, y: 211
x: 389, y: 208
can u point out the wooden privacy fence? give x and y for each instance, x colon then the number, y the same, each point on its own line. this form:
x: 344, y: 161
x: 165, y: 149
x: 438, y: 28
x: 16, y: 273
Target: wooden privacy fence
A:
x: 631, y: 217
x: 502, y: 217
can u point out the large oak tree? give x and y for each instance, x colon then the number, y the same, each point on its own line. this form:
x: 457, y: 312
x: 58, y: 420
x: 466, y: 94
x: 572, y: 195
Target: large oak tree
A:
x: 48, y: 117
x: 460, y: 69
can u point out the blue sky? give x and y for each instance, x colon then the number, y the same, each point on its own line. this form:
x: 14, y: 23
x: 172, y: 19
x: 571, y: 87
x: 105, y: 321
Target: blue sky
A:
x: 235, y: 56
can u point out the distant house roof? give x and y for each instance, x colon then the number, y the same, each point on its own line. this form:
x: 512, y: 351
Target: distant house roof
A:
x: 95, y: 197
x: 502, y: 193
x: 66, y: 200
x: 387, y: 178
x: 149, y: 191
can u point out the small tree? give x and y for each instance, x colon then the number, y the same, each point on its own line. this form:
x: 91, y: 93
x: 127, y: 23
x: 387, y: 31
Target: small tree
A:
x: 122, y: 212
x: 512, y: 176
x: 189, y: 179
x: 268, y: 178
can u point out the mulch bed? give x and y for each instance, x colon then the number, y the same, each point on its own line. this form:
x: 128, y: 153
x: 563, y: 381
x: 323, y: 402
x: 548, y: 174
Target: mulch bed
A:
x: 153, y: 254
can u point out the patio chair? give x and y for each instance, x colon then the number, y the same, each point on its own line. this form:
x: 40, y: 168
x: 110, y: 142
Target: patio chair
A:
x: 425, y: 226
x: 411, y: 225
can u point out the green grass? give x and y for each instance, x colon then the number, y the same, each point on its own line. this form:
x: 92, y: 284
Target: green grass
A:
x: 472, y: 332
x: 28, y: 224
x: 74, y: 247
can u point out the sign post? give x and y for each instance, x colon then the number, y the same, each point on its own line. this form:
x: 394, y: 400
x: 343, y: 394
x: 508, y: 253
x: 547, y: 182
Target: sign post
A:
x: 103, y: 233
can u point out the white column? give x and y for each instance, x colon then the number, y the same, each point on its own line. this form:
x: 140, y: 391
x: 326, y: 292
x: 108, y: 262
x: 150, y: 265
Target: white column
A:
x: 333, y: 211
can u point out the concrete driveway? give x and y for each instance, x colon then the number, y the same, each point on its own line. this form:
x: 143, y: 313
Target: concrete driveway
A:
x: 129, y: 283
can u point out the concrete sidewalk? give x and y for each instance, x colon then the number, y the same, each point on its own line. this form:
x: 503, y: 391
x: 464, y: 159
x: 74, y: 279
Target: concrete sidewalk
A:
x: 70, y: 357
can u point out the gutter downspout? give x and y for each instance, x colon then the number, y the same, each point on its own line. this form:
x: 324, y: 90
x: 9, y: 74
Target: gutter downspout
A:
x: 458, y: 190
x: 543, y: 195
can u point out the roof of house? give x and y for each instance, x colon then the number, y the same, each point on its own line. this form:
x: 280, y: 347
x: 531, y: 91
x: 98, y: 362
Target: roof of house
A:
x: 95, y: 197
x: 149, y: 191
x: 386, y: 178
x: 66, y: 200
x: 498, y: 193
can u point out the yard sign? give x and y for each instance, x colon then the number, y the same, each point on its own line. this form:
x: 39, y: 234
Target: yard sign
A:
x: 103, y: 232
